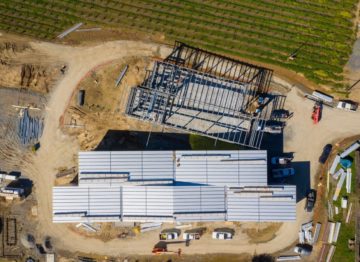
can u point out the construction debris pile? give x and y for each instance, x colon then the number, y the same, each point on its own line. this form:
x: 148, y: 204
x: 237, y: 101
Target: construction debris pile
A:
x: 6, y: 190
x: 308, y: 235
x: 29, y: 128
x: 341, y: 173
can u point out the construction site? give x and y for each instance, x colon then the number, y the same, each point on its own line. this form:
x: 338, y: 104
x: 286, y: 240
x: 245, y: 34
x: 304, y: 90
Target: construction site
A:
x: 197, y: 91
x: 127, y: 149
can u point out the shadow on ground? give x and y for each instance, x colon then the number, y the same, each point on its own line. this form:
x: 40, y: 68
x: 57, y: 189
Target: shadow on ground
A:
x: 130, y: 140
x: 23, y: 183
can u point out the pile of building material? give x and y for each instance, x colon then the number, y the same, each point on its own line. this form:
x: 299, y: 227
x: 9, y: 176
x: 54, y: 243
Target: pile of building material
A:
x: 317, y: 232
x: 305, y: 234
x: 330, y: 210
x: 29, y: 128
x: 321, y: 97
x: 343, y: 155
x: 348, y: 216
x: 121, y: 76
x: 338, y: 173
x: 331, y: 253
x: 68, y: 31
x: 11, y: 193
x: 339, y: 186
x: 332, y: 230
x: 5, y: 176
x: 348, y: 180
x: 145, y: 227
x: 335, y: 164
x: 87, y: 227
x: 288, y: 258
x: 350, y: 149
x: 7, y: 191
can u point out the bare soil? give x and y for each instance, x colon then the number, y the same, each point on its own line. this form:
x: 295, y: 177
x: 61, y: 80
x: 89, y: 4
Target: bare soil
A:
x: 20, y: 69
x: 104, y: 107
x: 262, y: 233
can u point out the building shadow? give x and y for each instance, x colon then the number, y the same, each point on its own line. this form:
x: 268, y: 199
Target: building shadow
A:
x: 24, y: 183
x: 301, y: 179
x: 274, y: 144
x: 118, y: 140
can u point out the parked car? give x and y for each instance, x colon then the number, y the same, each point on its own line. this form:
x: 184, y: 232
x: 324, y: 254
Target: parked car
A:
x: 272, y: 127
x: 280, y: 113
x: 347, y: 105
x: 170, y: 234
x: 310, y: 200
x: 304, y: 250
x: 223, y: 233
x: 283, y: 172
x: 277, y: 160
x: 195, y: 233
x: 325, y: 154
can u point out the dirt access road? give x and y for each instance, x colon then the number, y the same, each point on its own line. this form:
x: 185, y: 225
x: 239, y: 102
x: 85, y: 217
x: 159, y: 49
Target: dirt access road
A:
x: 57, y: 150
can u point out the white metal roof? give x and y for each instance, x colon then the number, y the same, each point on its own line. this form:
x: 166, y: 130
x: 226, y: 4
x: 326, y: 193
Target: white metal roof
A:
x: 228, y: 167
x: 273, y: 203
x: 173, y: 203
x: 70, y: 204
x: 169, y: 186
x: 139, y: 165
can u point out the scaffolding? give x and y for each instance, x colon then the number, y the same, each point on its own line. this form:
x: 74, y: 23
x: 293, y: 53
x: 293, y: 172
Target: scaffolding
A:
x: 207, y: 94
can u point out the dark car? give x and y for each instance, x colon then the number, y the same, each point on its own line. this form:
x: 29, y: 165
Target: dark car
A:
x: 303, y: 249
x: 310, y: 200
x: 325, y: 154
x: 280, y: 113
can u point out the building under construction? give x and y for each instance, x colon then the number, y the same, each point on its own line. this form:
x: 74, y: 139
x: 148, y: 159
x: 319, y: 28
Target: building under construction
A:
x: 208, y: 94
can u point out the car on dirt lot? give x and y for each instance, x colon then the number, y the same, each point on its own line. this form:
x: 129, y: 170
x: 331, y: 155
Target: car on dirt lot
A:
x: 277, y: 160
x: 223, y: 233
x: 325, y: 154
x: 283, y: 172
x: 310, y: 200
x: 347, y: 105
x: 170, y: 234
x: 280, y: 113
x: 303, y: 250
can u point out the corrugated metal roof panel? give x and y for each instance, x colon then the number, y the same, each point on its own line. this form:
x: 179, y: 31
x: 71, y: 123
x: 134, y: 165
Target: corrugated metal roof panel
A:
x: 98, y: 202
x: 189, y: 199
x: 280, y: 206
x: 148, y: 201
x: 138, y: 164
x: 222, y: 167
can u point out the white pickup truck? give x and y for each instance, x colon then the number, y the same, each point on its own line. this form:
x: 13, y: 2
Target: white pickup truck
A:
x: 347, y: 105
x: 222, y: 235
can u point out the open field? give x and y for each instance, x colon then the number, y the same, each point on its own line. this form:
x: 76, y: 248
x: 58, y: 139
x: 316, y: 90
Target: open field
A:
x: 320, y: 33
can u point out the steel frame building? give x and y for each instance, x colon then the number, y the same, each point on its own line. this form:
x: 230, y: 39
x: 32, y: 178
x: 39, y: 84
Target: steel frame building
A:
x: 169, y: 186
x: 205, y: 93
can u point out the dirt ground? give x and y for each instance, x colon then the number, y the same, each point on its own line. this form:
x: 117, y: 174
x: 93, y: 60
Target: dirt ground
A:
x: 104, y: 107
x: 58, y: 149
x: 21, y: 68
